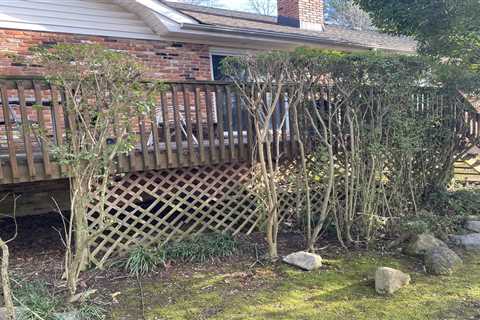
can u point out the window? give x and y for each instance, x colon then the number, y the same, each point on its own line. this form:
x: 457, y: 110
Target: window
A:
x: 217, y: 73
x: 217, y: 57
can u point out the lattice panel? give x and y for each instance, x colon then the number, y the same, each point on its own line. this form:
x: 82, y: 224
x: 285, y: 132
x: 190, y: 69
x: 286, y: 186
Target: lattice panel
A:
x: 157, y: 206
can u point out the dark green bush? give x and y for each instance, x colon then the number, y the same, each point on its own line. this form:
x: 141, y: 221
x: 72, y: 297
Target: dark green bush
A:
x: 439, y: 225
x: 141, y: 261
x: 452, y: 203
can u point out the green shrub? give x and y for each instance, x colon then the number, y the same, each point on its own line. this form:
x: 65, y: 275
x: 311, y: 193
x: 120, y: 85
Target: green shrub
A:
x: 142, y: 261
x: 201, y: 248
x: 439, y: 225
x: 448, y: 203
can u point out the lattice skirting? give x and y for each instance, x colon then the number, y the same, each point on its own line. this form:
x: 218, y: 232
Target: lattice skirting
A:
x: 154, y: 207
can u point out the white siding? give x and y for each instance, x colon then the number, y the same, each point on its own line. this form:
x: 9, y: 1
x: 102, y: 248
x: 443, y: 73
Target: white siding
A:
x: 88, y: 17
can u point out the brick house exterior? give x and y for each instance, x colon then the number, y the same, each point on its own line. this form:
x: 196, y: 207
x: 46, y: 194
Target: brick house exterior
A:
x: 165, y: 59
x: 175, y: 41
x: 302, y: 13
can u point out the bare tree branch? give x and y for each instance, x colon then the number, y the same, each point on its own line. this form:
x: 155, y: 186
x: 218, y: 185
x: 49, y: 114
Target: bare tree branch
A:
x: 207, y: 3
x: 264, y: 7
x: 348, y: 14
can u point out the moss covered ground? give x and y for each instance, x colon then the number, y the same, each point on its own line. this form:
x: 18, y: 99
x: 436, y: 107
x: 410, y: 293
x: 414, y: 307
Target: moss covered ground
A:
x: 342, y: 289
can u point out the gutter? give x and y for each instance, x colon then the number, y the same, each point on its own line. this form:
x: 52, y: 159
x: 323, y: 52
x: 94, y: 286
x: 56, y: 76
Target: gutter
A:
x: 283, y: 36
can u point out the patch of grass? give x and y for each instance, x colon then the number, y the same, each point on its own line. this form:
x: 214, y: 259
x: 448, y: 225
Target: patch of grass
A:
x: 201, y: 248
x: 342, y: 289
x: 90, y: 311
x: 141, y: 261
x: 35, y: 300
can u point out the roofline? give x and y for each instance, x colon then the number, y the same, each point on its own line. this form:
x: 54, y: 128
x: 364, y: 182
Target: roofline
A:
x: 282, y: 36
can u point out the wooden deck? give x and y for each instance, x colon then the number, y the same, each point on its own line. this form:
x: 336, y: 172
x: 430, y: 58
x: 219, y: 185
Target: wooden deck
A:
x: 194, y: 124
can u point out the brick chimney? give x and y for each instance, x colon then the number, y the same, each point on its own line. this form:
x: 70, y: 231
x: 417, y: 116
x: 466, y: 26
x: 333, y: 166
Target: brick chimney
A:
x: 303, y: 14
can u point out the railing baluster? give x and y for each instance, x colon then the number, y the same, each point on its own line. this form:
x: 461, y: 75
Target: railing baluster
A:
x: 199, y: 119
x: 26, y: 129
x: 155, y: 137
x: 283, y: 115
x: 274, y: 122
x: 166, y: 128
x: 250, y: 137
x: 41, y: 123
x: 144, y: 142
x: 293, y: 138
x: 56, y: 121
x: 188, y: 120
x: 231, y: 140
x: 220, y: 104
x: 178, y: 125
x: 8, y: 128
x: 210, y: 124
x: 241, y: 144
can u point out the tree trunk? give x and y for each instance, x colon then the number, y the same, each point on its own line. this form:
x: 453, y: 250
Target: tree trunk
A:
x: 7, y: 292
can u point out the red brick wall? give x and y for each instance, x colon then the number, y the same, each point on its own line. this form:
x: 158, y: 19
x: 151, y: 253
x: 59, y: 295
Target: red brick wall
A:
x: 310, y: 11
x: 165, y: 60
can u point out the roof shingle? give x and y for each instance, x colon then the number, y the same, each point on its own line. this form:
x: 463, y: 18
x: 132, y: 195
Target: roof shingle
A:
x: 250, y: 21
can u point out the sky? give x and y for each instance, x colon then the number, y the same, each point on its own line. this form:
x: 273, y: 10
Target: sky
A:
x: 233, y: 4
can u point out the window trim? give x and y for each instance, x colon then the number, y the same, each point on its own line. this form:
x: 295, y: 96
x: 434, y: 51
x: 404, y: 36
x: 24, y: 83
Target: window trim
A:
x: 224, y: 52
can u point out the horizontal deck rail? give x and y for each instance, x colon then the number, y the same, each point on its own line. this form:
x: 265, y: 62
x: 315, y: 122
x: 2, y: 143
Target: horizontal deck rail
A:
x: 195, y: 123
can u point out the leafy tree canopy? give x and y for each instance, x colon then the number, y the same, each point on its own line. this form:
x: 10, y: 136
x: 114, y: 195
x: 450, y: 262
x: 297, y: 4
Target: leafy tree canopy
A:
x: 443, y: 28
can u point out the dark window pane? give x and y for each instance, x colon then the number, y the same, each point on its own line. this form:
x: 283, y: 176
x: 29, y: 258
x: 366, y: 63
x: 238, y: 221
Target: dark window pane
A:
x: 217, y: 67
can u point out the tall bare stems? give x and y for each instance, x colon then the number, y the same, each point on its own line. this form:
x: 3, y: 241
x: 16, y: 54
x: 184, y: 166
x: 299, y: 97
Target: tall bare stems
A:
x: 101, y: 91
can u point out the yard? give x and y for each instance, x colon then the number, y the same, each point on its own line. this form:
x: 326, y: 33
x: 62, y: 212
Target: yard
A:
x: 317, y: 156
x: 342, y: 289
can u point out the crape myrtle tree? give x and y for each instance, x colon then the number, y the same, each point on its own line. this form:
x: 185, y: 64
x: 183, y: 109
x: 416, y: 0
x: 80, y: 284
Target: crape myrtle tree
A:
x: 261, y: 81
x: 375, y: 134
x: 102, y: 90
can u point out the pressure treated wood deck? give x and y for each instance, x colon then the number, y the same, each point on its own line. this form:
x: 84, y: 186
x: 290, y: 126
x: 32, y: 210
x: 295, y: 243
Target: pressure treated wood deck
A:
x: 194, y: 124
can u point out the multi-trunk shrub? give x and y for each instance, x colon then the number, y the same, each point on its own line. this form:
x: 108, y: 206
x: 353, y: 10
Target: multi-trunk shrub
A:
x: 381, y: 133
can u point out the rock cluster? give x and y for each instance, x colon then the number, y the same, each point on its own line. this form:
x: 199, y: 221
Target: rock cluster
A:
x: 439, y: 259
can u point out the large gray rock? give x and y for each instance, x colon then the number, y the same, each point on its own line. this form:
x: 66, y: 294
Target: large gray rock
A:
x: 388, y: 280
x: 442, y: 261
x: 423, y: 243
x: 472, y: 225
x: 304, y: 260
x: 469, y: 241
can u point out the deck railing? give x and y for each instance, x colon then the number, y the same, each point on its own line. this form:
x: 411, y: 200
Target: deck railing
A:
x: 194, y: 124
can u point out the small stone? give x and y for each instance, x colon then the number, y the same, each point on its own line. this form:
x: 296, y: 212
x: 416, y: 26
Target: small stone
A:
x: 469, y: 242
x: 473, y: 225
x: 388, y: 280
x: 423, y: 243
x: 442, y: 261
x: 304, y: 260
